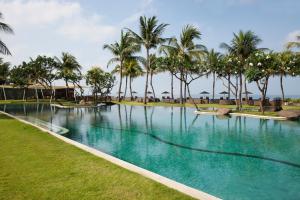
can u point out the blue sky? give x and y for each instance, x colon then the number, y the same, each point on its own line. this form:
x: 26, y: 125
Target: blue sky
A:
x: 82, y: 27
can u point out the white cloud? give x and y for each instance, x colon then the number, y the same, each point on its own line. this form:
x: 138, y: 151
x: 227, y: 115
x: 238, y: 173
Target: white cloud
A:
x: 24, y: 13
x: 292, y: 36
x: 230, y: 2
x: 68, y: 18
x: 145, y: 7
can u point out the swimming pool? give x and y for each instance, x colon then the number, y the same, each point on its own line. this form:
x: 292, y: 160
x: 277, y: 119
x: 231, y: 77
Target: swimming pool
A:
x: 231, y: 158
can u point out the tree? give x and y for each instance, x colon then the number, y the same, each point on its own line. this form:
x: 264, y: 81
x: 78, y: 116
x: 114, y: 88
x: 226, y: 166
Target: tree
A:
x: 101, y: 82
x: 20, y: 77
x: 133, y: 70
x: 261, y: 67
x: 212, y: 61
x: 47, y: 70
x: 185, y: 49
x: 4, y: 73
x: 169, y: 63
x: 122, y: 51
x: 150, y: 37
x: 6, y: 29
x: 69, y: 70
x: 153, y: 69
x: 228, y: 67
x: 242, y: 45
x: 286, y: 62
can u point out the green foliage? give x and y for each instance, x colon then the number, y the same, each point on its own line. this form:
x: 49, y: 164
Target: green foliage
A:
x: 20, y: 75
x: 150, y: 34
x: 69, y: 69
x: 261, y: 65
x: 4, y: 71
x: 229, y: 65
x: 101, y: 82
x: 6, y: 29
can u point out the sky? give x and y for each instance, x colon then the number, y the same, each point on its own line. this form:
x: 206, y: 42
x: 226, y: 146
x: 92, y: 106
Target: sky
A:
x: 82, y: 27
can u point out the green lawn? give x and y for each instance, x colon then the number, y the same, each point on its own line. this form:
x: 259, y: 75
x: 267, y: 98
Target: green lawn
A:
x: 36, y: 165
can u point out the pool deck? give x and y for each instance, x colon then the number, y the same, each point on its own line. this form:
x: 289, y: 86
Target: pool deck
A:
x: 242, y: 115
x: 197, y: 194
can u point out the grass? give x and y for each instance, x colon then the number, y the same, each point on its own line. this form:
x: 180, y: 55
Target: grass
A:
x: 33, y: 101
x: 36, y: 165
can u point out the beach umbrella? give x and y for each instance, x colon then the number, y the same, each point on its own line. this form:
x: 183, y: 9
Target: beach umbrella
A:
x: 204, y: 92
x: 224, y: 93
x: 165, y: 92
x: 248, y: 92
x: 149, y: 92
x: 133, y: 92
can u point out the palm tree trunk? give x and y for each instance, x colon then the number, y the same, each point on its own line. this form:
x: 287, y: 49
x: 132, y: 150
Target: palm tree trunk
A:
x: 51, y: 93
x: 36, y: 94
x: 67, y: 89
x: 120, y: 84
x: 185, y: 85
x: 181, y: 77
x: 172, y: 86
x: 188, y: 89
x: 24, y: 93
x: 147, y: 77
x: 42, y: 94
x: 125, y: 92
x: 240, y: 91
x: 214, y: 84
x: 151, y: 83
x: 246, y: 91
x: 4, y: 94
x: 130, y: 88
x: 229, y: 86
x: 281, y: 85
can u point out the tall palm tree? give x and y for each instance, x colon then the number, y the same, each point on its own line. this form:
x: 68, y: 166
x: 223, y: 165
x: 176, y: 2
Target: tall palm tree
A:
x: 150, y: 37
x: 68, y: 68
x: 4, y: 73
x: 242, y: 45
x: 122, y: 51
x: 285, y: 60
x: 153, y: 69
x: 184, y: 49
x: 133, y: 70
x: 6, y: 29
x: 293, y: 44
x: 213, y: 59
x: 169, y: 63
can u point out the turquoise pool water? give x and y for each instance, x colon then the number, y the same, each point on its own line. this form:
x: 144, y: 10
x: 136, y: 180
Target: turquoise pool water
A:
x: 231, y: 158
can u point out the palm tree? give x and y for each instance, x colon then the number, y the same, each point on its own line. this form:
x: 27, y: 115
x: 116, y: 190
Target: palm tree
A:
x: 4, y: 73
x: 185, y: 49
x: 213, y: 59
x: 150, y: 37
x: 286, y: 63
x: 169, y: 63
x: 133, y: 70
x: 69, y: 69
x: 153, y: 69
x: 122, y: 51
x: 242, y: 45
x: 6, y: 29
x: 293, y: 44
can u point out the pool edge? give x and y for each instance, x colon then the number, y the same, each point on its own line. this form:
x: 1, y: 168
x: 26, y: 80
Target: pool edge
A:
x: 198, y: 194
x: 242, y: 115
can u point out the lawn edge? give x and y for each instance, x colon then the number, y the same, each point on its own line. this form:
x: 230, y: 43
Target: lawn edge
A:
x: 198, y: 194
